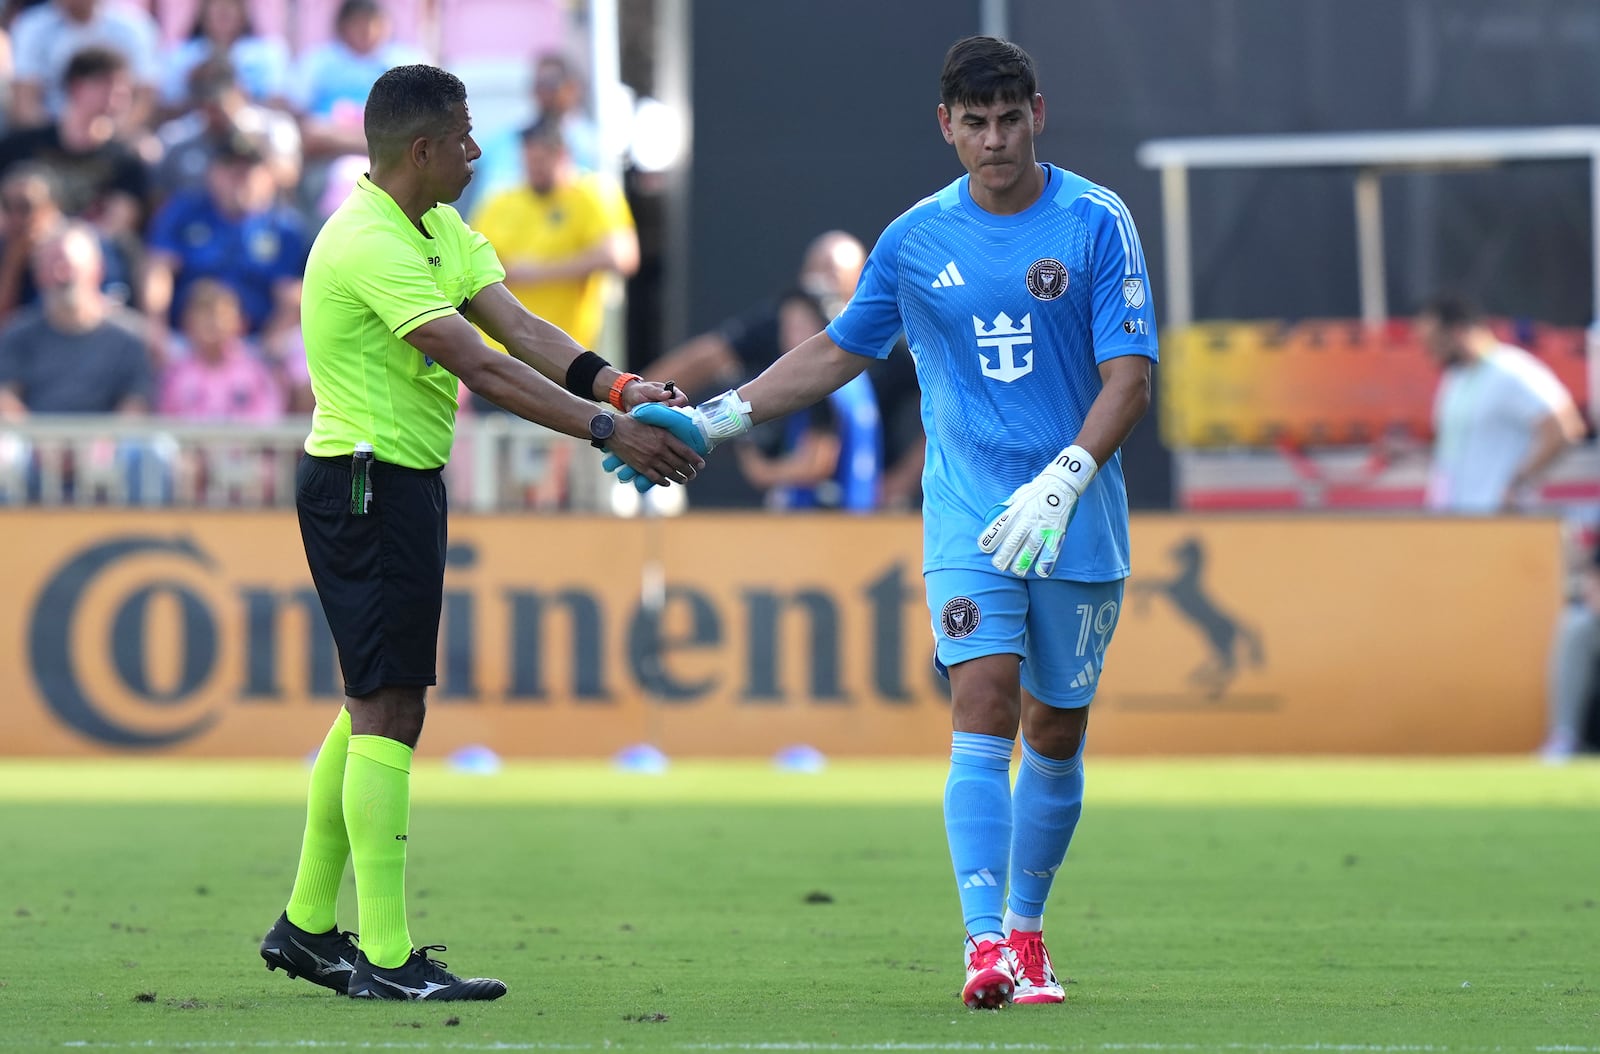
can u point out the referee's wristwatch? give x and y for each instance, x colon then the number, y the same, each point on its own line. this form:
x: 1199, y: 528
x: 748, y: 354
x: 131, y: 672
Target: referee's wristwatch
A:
x: 601, y: 427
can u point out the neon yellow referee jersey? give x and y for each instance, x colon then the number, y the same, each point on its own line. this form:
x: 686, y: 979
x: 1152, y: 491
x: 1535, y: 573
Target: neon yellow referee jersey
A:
x: 373, y: 277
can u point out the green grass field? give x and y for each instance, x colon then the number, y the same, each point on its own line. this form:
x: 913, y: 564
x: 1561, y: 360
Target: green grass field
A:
x: 1230, y: 906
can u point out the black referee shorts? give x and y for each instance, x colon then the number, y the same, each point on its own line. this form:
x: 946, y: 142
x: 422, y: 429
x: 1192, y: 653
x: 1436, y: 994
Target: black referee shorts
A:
x: 380, y: 577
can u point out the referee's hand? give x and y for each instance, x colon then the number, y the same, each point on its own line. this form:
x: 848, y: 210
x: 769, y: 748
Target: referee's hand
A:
x: 637, y: 393
x: 654, y: 452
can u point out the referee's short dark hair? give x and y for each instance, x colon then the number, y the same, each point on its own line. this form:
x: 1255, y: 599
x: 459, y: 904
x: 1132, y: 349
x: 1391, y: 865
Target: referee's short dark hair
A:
x: 981, y: 70
x: 410, y: 103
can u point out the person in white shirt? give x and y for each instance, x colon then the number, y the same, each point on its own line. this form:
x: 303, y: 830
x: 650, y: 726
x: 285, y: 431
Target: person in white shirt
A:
x: 220, y: 109
x: 223, y: 30
x: 44, y: 39
x: 1501, y: 418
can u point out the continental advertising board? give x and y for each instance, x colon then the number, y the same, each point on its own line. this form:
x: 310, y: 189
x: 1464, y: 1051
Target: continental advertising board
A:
x: 199, y: 635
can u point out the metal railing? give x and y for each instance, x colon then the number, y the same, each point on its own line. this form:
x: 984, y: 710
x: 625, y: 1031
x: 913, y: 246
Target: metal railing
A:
x: 500, y: 463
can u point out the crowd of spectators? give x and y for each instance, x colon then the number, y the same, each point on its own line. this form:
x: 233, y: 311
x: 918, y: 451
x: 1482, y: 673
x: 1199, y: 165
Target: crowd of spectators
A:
x: 158, y: 200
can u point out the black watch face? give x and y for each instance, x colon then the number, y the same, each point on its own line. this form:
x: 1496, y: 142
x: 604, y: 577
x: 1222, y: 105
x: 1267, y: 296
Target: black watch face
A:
x: 601, y: 426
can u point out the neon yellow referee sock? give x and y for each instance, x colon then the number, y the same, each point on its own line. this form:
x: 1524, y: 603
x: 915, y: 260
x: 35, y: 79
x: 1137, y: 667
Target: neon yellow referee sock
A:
x: 314, y: 903
x: 377, y: 813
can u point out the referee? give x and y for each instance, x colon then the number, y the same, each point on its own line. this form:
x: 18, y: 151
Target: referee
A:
x: 394, y: 284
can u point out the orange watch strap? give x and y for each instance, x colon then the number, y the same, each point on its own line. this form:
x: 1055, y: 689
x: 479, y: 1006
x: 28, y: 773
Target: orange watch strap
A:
x: 622, y: 381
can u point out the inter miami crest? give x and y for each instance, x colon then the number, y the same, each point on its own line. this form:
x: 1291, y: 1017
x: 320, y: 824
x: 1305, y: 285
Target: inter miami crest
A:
x: 959, y: 617
x: 1047, y: 279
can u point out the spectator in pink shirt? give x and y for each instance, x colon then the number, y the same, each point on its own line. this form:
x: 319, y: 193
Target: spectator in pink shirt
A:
x: 220, y: 378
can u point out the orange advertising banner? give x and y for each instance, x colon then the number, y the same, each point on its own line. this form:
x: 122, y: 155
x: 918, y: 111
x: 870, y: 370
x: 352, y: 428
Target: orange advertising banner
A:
x: 199, y: 634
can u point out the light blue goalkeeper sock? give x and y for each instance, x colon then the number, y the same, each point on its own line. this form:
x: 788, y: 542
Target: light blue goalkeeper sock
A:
x: 1045, y: 808
x: 977, y: 820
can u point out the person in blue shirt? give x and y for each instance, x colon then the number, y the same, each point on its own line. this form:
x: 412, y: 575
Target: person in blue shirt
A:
x: 1022, y: 292
x: 329, y: 86
x: 234, y: 230
x: 327, y: 91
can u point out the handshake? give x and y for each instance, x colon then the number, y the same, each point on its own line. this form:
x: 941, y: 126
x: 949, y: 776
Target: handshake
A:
x: 700, y: 428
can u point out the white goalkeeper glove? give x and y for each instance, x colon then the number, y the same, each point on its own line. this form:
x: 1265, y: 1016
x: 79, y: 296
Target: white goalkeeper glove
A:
x: 701, y: 428
x: 717, y: 420
x: 1028, y: 532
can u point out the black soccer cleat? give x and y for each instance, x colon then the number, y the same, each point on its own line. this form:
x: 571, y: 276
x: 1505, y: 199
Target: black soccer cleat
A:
x: 419, y: 977
x: 327, y: 959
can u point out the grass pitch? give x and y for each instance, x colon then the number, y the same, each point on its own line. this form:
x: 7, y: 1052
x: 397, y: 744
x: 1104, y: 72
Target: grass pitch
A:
x: 1234, y: 906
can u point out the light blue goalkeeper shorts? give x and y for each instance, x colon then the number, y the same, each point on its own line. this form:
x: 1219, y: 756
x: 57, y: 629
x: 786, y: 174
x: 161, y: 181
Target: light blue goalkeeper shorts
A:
x: 1060, y: 629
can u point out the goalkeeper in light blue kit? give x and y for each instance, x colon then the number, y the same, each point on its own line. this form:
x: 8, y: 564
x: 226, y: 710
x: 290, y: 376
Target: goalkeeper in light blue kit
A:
x: 1022, y: 292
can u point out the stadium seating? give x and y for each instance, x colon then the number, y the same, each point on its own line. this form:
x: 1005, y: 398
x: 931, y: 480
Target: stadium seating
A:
x: 271, y: 17
x: 467, y: 29
x: 1320, y: 382
x: 1327, y: 413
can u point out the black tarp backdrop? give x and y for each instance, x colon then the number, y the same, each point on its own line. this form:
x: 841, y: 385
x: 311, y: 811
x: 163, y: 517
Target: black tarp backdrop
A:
x: 820, y: 114
x: 1281, y: 243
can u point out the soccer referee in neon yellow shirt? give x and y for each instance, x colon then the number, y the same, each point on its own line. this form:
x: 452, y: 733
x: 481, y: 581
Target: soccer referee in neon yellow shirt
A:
x: 394, y: 285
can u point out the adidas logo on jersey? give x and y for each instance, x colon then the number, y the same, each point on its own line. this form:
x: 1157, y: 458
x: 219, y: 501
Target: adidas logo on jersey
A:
x: 979, y: 879
x: 948, y: 276
x: 1086, y: 676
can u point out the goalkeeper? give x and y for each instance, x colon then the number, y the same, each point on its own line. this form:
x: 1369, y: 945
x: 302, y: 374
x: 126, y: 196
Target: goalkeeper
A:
x: 1021, y: 289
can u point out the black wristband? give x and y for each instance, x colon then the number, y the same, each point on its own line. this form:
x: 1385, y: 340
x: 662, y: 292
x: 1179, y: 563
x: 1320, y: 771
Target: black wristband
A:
x: 581, y: 374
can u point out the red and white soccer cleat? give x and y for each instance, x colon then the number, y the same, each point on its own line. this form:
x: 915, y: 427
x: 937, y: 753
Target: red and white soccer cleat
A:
x: 1036, y: 978
x: 991, y: 976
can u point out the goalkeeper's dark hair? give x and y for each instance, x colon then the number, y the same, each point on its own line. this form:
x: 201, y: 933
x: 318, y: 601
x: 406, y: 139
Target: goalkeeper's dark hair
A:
x: 982, y: 70
x: 1453, y: 311
x: 410, y: 103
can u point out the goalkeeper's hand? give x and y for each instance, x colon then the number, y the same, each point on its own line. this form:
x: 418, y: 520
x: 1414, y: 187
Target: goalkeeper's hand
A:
x: 701, y: 428
x: 653, y: 453
x: 1031, y: 525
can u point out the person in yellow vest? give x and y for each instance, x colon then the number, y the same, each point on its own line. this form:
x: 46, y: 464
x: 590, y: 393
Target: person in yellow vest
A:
x: 561, y: 235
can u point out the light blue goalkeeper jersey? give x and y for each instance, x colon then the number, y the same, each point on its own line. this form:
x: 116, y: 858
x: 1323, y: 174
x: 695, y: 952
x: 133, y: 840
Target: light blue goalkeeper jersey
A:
x: 1008, y: 318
